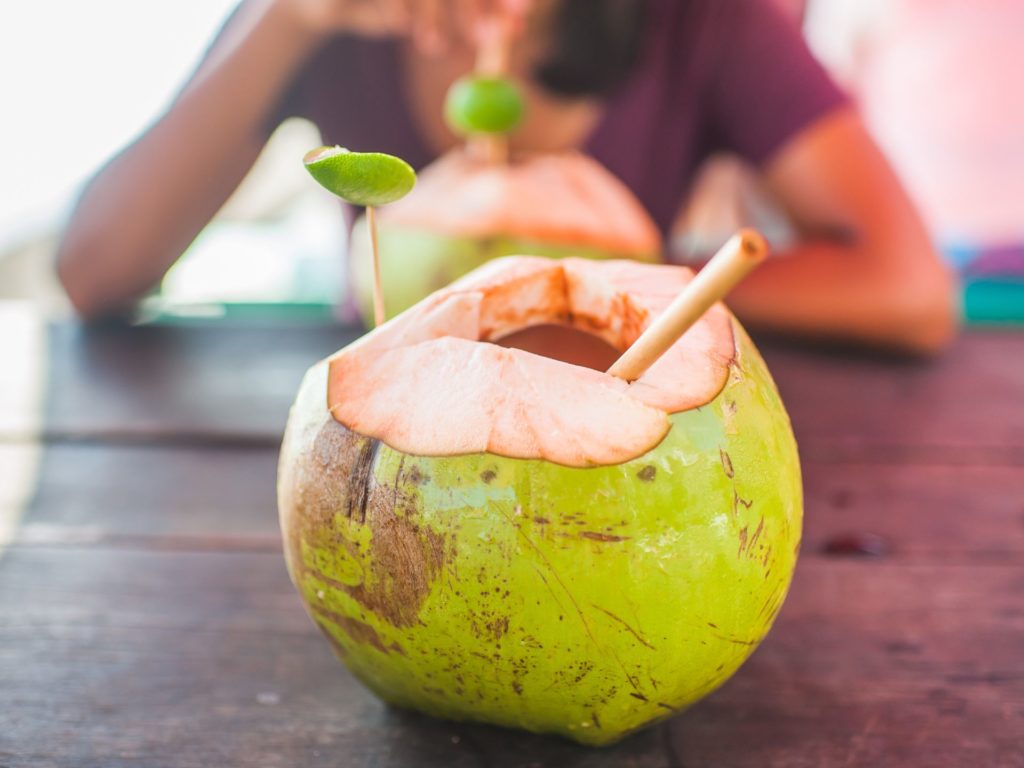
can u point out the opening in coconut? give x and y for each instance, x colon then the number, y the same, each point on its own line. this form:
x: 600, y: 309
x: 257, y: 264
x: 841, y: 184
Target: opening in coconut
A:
x: 565, y: 343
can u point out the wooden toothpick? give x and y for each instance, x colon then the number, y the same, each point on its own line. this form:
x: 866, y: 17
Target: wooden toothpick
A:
x: 492, y: 56
x: 368, y: 179
x: 734, y: 261
x: 378, y: 288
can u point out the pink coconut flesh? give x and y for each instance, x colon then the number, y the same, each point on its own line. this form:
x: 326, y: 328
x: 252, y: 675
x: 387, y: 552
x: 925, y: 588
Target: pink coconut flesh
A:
x: 429, y: 382
x: 566, y: 198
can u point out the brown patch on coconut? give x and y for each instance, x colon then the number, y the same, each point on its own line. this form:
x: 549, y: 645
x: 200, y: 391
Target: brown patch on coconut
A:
x: 358, y: 631
x: 404, y: 560
x: 330, y: 477
x: 334, y: 474
x: 416, y: 477
x: 648, y: 473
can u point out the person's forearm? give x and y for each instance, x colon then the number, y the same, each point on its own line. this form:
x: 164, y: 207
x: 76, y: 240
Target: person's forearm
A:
x: 148, y: 204
x: 828, y: 291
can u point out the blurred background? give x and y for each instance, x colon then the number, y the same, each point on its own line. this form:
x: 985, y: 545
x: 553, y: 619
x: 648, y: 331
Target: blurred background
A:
x: 276, y: 244
x: 936, y: 80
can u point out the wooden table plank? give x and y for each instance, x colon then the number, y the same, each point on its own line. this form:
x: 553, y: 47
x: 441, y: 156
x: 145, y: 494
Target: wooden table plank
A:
x: 201, y: 384
x: 188, y: 383
x: 152, y: 496
x: 200, y: 659
x: 146, y: 618
x: 927, y: 513
x: 969, y: 402
x: 189, y: 659
x: 224, y: 499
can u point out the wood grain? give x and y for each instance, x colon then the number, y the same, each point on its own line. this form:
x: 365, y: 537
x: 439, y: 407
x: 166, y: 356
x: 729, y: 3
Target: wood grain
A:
x: 966, y: 405
x: 146, y: 618
x: 188, y: 659
x: 233, y: 385
x: 186, y: 383
x: 152, y: 496
x: 214, y: 498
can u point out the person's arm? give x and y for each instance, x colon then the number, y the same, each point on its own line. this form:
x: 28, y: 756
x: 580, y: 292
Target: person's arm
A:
x: 865, y: 271
x: 143, y: 209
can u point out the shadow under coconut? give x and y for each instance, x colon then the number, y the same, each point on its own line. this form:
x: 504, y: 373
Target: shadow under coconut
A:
x: 468, y: 744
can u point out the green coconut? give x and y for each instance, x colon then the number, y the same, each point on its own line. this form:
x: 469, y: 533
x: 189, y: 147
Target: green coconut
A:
x: 539, y: 545
x: 464, y: 213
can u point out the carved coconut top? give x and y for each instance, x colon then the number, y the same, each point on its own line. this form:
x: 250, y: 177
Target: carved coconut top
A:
x: 430, y: 382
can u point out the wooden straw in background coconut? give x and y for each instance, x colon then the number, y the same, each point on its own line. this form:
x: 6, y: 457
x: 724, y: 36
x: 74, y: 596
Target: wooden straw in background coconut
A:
x: 492, y: 60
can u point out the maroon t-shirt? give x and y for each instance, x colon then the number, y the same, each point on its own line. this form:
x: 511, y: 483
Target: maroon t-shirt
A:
x: 733, y: 75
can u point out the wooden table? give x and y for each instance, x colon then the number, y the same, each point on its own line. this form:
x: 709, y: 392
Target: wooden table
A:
x: 146, y: 618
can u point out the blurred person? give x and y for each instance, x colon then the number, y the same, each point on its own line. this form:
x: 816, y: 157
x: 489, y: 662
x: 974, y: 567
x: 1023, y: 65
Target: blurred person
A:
x: 938, y: 84
x: 648, y: 88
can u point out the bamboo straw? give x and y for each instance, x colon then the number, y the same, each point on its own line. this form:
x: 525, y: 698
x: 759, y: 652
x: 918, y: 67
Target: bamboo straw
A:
x: 734, y: 261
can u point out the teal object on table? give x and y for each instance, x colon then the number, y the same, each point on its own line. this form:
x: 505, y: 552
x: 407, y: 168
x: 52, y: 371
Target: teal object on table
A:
x: 994, y: 301
x: 993, y: 283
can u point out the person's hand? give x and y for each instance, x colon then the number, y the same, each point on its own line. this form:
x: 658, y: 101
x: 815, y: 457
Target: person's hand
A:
x: 432, y: 24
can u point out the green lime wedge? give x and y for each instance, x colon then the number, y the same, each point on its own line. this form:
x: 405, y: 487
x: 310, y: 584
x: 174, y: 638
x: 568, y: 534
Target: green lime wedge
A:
x: 361, y: 178
x: 483, y: 105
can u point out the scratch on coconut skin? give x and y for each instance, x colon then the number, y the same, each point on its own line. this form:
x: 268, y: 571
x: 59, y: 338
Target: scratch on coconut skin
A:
x: 737, y: 640
x: 747, y: 545
x: 579, y: 611
x: 632, y: 631
x: 757, y: 534
x: 554, y: 573
x: 723, y: 456
x: 606, y: 537
x: 360, y: 480
x: 737, y: 500
x: 398, y: 480
x: 583, y: 617
x: 730, y: 638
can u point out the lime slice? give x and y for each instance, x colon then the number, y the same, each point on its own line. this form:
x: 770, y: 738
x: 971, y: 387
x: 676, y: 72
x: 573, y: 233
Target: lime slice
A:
x: 361, y: 178
x: 483, y: 105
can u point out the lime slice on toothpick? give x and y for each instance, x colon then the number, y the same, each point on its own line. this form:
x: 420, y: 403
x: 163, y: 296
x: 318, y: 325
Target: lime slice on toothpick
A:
x: 478, y: 104
x: 361, y: 178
